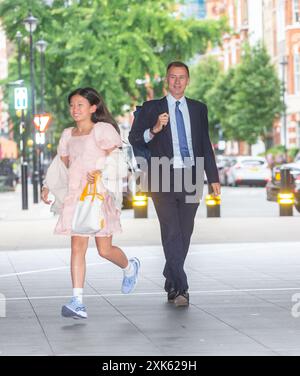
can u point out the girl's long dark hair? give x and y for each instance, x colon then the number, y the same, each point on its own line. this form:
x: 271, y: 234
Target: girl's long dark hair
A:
x: 94, y: 98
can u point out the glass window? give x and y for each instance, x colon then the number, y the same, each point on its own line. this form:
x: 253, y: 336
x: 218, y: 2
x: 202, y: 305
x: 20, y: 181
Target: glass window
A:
x: 252, y: 163
x: 297, y: 73
x: 296, y: 11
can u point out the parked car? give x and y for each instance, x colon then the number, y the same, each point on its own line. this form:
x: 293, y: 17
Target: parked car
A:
x: 248, y: 171
x: 8, y: 174
x: 223, y: 164
x: 273, y: 186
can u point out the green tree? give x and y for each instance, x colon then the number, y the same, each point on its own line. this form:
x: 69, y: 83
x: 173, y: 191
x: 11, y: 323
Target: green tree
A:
x: 255, y: 101
x: 105, y: 44
x: 203, y: 78
x: 245, y: 100
x: 218, y: 99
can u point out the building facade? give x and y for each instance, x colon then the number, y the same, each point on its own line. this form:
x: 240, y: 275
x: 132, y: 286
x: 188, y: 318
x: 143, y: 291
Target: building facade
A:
x: 281, y: 34
x: 8, y: 147
x: 245, y: 22
x: 246, y: 25
x: 3, y: 75
x: 277, y: 24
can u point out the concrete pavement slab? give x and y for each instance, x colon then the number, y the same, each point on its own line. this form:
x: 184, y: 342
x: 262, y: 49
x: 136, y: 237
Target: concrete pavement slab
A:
x: 239, y: 305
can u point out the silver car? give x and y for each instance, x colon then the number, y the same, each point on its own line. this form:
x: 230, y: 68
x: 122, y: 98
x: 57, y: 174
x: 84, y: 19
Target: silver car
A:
x: 249, y: 171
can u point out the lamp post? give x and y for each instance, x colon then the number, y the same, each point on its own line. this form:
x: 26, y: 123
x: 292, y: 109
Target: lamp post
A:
x: 284, y: 63
x: 30, y: 24
x: 24, y: 166
x: 41, y: 46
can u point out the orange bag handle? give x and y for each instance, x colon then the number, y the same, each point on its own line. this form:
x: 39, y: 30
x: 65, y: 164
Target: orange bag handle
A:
x: 88, y: 189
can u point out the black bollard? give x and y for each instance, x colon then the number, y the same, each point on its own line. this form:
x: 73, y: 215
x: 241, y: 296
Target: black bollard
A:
x: 24, y: 183
x: 140, y: 206
x: 213, y: 204
x: 285, y: 196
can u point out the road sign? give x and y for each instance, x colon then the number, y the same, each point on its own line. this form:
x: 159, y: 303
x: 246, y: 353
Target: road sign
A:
x: 21, y: 98
x: 41, y: 122
x: 40, y: 138
x: 221, y: 145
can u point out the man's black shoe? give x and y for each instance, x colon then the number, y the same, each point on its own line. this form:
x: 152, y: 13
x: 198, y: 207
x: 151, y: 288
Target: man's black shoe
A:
x: 172, y: 295
x: 182, y: 299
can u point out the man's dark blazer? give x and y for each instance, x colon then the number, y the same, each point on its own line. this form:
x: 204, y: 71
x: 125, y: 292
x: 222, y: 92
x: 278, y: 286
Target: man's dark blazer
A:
x: 161, y: 145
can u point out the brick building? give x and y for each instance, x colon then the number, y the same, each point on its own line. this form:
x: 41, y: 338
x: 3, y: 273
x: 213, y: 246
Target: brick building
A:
x: 277, y: 24
x: 246, y: 24
x: 3, y: 75
x: 281, y: 33
x: 8, y: 147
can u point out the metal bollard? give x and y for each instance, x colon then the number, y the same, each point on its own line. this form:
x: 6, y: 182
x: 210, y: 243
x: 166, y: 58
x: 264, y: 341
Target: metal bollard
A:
x: 24, y: 182
x: 140, y: 205
x: 213, y: 204
x: 285, y: 196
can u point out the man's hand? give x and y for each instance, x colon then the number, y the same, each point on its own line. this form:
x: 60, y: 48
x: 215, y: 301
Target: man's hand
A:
x: 216, y: 187
x: 162, y: 121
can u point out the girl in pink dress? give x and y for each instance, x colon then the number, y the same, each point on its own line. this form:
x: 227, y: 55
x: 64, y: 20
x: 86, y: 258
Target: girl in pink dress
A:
x: 84, y: 149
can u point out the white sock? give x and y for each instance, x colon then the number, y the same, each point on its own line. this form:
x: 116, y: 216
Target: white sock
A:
x: 78, y: 293
x: 129, y: 270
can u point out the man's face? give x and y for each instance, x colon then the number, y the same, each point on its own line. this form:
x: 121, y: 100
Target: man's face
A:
x: 177, y: 80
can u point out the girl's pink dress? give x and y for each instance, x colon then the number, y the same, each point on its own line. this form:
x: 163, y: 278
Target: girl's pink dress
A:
x: 87, y: 153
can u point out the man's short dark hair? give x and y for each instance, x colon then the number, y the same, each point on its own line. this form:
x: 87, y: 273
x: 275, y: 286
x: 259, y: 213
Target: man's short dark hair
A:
x: 178, y: 64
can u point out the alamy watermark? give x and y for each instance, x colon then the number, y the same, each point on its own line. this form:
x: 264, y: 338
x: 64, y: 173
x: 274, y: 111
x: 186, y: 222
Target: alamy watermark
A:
x: 164, y: 177
x: 2, y: 305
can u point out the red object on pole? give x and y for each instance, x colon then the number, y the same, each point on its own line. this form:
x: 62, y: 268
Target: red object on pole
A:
x: 41, y: 122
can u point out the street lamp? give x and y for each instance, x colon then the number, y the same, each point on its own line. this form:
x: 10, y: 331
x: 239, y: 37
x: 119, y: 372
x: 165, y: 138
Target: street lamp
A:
x: 24, y: 166
x: 41, y: 46
x: 284, y: 63
x: 30, y: 25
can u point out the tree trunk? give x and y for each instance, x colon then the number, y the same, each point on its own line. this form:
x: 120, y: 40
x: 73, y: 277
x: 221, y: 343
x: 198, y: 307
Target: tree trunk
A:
x: 268, y: 141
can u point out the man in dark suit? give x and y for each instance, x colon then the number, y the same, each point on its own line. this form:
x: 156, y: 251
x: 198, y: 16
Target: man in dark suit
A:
x: 176, y: 128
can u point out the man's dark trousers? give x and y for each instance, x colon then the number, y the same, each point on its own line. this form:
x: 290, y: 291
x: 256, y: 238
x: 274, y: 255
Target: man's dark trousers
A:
x: 176, y: 218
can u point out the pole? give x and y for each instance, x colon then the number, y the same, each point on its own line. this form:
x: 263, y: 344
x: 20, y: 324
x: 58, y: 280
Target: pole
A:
x: 284, y: 125
x: 41, y: 146
x: 35, y: 174
x: 42, y: 81
x: 24, y: 166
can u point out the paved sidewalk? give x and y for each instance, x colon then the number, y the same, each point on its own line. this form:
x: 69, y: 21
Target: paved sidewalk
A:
x: 33, y: 229
x: 241, y: 304
x: 244, y: 276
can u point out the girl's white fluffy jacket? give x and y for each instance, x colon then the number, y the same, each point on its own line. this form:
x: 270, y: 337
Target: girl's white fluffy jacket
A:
x: 115, y: 169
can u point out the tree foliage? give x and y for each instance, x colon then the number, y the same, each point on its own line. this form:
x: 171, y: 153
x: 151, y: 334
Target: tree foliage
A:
x: 107, y: 44
x: 219, y: 98
x: 256, y: 102
x: 203, y: 78
x: 246, y: 99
